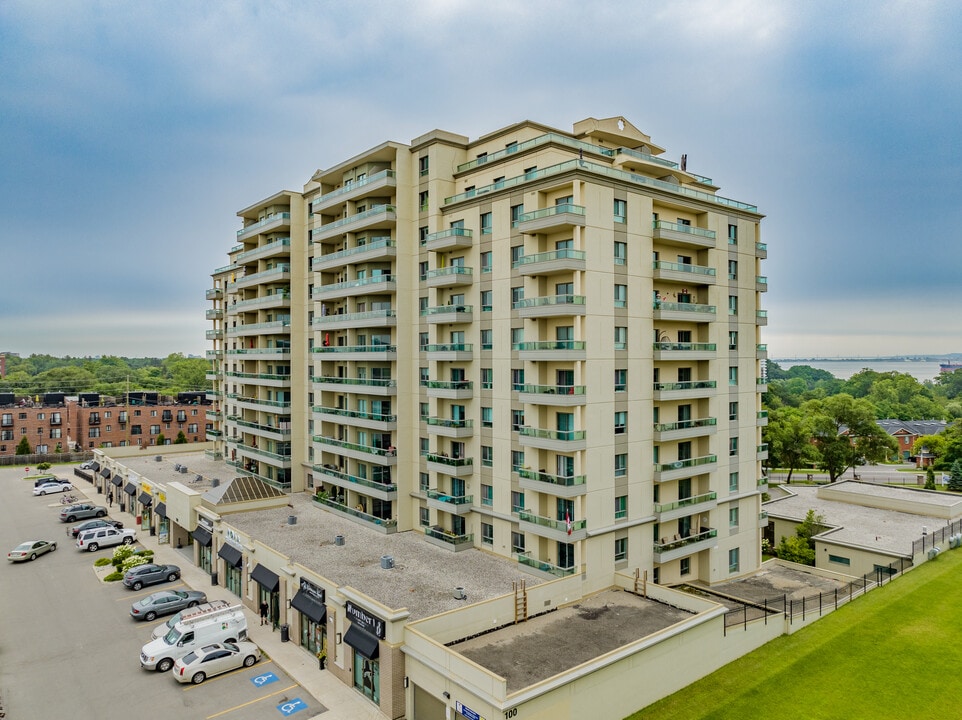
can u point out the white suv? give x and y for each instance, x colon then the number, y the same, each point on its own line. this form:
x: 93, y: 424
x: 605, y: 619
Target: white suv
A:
x: 105, y: 537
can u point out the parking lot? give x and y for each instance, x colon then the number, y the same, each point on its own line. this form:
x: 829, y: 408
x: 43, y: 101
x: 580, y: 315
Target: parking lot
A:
x: 69, y: 648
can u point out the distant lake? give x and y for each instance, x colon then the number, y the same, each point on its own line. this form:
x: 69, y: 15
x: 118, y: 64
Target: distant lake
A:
x: 844, y: 369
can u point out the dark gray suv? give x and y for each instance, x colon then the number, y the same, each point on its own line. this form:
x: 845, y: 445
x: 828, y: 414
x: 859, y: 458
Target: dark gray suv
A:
x: 150, y: 574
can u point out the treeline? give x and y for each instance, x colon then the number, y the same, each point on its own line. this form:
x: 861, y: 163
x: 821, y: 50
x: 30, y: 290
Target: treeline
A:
x: 818, y: 420
x: 108, y: 375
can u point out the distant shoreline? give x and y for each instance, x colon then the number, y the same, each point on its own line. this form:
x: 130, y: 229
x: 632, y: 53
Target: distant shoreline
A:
x: 954, y: 357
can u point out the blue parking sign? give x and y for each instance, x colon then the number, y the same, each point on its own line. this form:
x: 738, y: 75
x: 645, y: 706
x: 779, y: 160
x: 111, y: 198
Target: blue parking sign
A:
x: 292, y: 706
x: 264, y: 679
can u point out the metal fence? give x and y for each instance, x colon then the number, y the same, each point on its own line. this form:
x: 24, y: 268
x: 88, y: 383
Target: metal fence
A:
x: 936, y: 537
x: 34, y: 459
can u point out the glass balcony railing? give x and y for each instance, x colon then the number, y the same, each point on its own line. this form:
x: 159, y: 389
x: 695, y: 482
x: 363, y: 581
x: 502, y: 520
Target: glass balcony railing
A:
x: 449, y: 537
x: 562, y: 524
x: 448, y: 422
x: 682, y: 542
x: 686, y: 463
x: 375, y: 243
x: 682, y: 228
x: 445, y: 497
x: 342, y: 412
x: 447, y: 384
x: 686, y: 502
x: 562, y: 209
x: 363, y: 482
x: 447, y: 310
x: 272, y: 325
x: 647, y: 157
x: 448, y: 347
x: 353, y: 317
x: 559, y: 480
x: 533, y: 143
x: 685, y: 424
x: 684, y: 307
x: 563, y: 254
x: 543, y: 434
x: 355, y: 349
x: 372, y: 382
x: 549, y: 300
x: 353, y: 186
x: 761, y: 280
x: 551, y: 389
x: 443, y: 459
x: 763, y: 247
x: 340, y: 507
x: 258, y: 376
x: 685, y: 346
x: 762, y: 414
x: 551, y: 345
x: 351, y: 284
x: 266, y: 248
x: 450, y: 232
x: 685, y: 268
x: 370, y: 449
x: 453, y: 270
x: 356, y: 217
x: 761, y: 314
x: 259, y: 350
x: 547, y: 567
x: 261, y: 223
x: 259, y: 426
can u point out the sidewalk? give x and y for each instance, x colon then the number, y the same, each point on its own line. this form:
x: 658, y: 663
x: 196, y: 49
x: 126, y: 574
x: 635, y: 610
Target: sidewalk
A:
x: 341, y: 702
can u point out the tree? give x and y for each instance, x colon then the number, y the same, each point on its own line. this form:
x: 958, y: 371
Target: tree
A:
x: 795, y: 549
x: 840, y: 414
x: 955, y: 477
x: 23, y: 447
x: 929, y: 478
x: 812, y: 525
x: 789, y: 438
x: 161, y: 440
x: 181, y: 438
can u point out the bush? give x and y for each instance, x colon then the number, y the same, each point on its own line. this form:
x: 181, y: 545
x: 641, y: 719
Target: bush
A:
x: 133, y: 561
x: 43, y: 466
x: 114, y: 577
x: 100, y: 562
x: 121, y: 553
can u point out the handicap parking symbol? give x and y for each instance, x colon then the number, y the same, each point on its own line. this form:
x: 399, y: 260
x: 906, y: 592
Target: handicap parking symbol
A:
x: 292, y: 706
x: 265, y: 679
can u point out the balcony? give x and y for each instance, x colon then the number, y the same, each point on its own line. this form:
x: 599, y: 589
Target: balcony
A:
x: 673, y: 549
x: 366, y: 386
x: 279, y: 273
x: 278, y: 299
x: 549, y: 263
x: 345, y: 353
x: 372, y: 185
x: 560, y: 440
x: 683, y: 273
x: 253, y: 403
x: 214, y: 354
x: 551, y: 350
x: 332, y: 476
x: 761, y: 250
x: 267, y: 225
x: 212, y: 435
x: 379, y: 216
x: 451, y: 390
x: 386, y: 526
x: 448, y: 314
x: 453, y: 504
x: 686, y: 506
x: 456, y: 237
x: 265, y: 379
x: 448, y: 276
x: 375, y: 284
x: 550, y: 306
x: 665, y: 472
x: 681, y: 351
x: 552, y: 529
x: 761, y: 283
x: 371, y: 318
x: 375, y: 248
x: 356, y: 418
x: 684, y: 429
x: 683, y: 312
x: 280, y: 246
x: 761, y: 352
x: 761, y: 385
x: 262, y: 353
x: 559, y: 485
x: 546, y: 567
x: 762, y: 452
x: 761, y: 317
x: 366, y: 453
x: 447, y: 539
x: 681, y: 235
x: 565, y: 395
x: 214, y: 293
x: 273, y: 327
x: 762, y: 416
x: 448, y: 427
x: 449, y: 352
x: 558, y: 218
x: 214, y: 314
x: 691, y: 389
x: 456, y: 467
x: 214, y: 334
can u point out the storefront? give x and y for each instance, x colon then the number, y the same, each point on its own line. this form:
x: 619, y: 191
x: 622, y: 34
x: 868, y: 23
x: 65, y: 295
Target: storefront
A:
x: 114, y: 489
x: 102, y: 485
x: 146, y: 521
x: 203, y: 539
x: 163, y: 524
x: 233, y: 562
x: 130, y: 490
x: 267, y: 592
x: 363, y: 637
x: 309, y: 602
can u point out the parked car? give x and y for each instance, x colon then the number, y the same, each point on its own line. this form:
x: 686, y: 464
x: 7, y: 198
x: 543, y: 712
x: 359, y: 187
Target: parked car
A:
x: 73, y: 513
x: 165, y: 602
x: 49, y: 479
x: 93, y: 540
x: 89, y: 465
x: 52, y: 487
x: 31, y: 550
x: 214, y: 659
x: 150, y: 574
x: 93, y: 525
x: 201, y: 610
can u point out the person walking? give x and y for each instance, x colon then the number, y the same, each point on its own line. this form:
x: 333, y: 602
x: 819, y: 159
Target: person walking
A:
x: 110, y: 498
x: 264, y: 609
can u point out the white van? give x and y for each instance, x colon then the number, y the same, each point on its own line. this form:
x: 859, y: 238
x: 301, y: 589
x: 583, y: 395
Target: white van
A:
x: 226, y: 625
x: 189, y: 613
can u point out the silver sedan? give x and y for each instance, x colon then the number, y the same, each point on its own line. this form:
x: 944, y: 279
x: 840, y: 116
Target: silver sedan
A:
x: 214, y: 659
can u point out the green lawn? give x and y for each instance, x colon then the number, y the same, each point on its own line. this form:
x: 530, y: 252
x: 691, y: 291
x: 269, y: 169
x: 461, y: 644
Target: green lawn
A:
x: 894, y: 653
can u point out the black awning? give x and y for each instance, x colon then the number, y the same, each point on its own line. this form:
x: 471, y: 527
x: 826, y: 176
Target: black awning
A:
x: 265, y: 578
x: 362, y: 641
x: 232, y: 555
x: 95, y: 466
x: 201, y: 535
x: 117, y: 480
x: 161, y: 510
x: 130, y: 489
x: 145, y: 499
x: 105, y: 473
x: 310, y: 606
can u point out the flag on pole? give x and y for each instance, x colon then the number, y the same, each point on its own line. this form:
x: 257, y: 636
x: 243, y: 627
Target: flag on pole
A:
x: 568, y: 521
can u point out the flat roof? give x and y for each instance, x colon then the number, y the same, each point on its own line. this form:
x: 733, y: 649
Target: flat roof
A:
x: 550, y: 644
x: 165, y: 471
x: 888, y: 531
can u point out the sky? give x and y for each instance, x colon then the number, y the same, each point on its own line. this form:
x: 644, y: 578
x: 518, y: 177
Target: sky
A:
x: 131, y: 133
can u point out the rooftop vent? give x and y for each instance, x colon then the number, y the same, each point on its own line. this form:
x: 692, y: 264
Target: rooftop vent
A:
x: 183, y: 469
x: 292, y: 519
x: 158, y: 458
x: 387, y: 562
x: 459, y: 593
x: 214, y: 483
x: 339, y: 540
x: 176, y: 467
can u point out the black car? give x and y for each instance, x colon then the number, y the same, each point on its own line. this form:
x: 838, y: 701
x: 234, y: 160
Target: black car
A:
x: 93, y: 525
x: 149, y: 574
x: 48, y: 479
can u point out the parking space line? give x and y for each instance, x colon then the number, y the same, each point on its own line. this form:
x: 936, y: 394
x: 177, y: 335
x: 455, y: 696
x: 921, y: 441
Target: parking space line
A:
x: 224, y: 675
x: 251, y: 702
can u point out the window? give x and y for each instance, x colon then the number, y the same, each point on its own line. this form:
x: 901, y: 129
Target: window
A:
x: 620, y: 210
x: 517, y: 501
x: 517, y: 252
x: 733, y: 411
x: 517, y: 542
x: 733, y: 517
x: 425, y: 410
x: 621, y: 379
x: 487, y: 456
x: 733, y: 376
x: 733, y: 482
x: 487, y: 378
x: 425, y: 481
x: 684, y: 450
x: 487, y: 495
x: 155, y: 429
x: 517, y: 460
x: 517, y: 337
x: 732, y: 234
x: 192, y: 428
x: 423, y: 234
x: 621, y: 422
x: 517, y: 419
x: 621, y: 464
x: 621, y: 507
x: 732, y: 447
x: 733, y: 560
x: 732, y: 269
x: 621, y: 296
x: 621, y: 338
x: 93, y: 432
x: 423, y: 340
x: 424, y: 444
x: 56, y: 432
x: 486, y: 300
x: 423, y: 201
x: 530, y: 171
x: 486, y: 343
x: 486, y: 223
x: 424, y: 516
x: 516, y: 212
x: 487, y: 415
x: 486, y: 261
x: 621, y: 549
x: 840, y: 560
x: 487, y: 533
x: 517, y: 295
x: 732, y: 304
x: 423, y: 166
x: 732, y: 339
x: 684, y: 566
x: 621, y: 252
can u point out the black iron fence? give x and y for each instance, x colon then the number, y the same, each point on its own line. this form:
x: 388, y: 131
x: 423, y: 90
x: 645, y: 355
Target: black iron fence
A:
x: 939, y: 536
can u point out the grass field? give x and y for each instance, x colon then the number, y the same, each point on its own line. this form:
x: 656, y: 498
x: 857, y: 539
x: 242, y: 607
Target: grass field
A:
x: 894, y: 653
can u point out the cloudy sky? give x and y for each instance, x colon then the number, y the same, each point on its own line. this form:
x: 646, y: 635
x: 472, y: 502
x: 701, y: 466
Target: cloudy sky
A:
x: 132, y: 132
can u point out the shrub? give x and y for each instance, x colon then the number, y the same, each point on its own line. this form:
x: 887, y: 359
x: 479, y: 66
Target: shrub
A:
x: 114, y: 577
x: 43, y: 466
x: 121, y: 553
x: 100, y: 562
x: 133, y: 561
